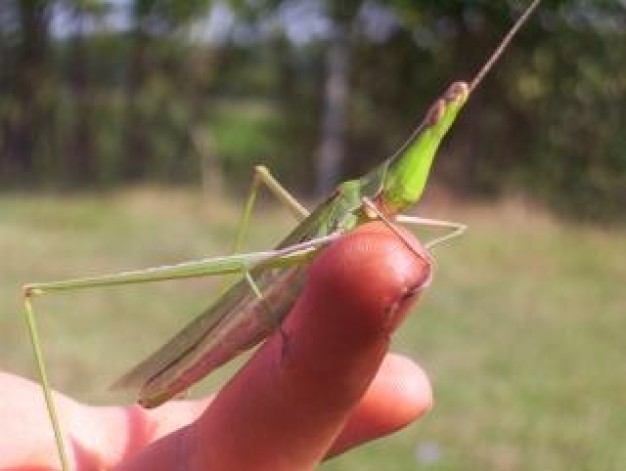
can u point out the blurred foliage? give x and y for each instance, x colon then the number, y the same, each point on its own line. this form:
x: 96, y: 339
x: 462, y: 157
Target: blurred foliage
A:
x: 96, y: 93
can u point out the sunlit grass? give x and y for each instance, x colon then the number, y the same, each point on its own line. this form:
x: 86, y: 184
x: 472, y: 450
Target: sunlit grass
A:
x: 522, y: 332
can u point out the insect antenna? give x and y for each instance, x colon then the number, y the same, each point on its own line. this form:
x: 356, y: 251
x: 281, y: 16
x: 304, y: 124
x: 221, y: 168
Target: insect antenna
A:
x: 502, y: 46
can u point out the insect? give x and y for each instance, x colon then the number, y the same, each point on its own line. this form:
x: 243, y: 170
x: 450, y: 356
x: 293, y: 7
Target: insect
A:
x: 255, y: 306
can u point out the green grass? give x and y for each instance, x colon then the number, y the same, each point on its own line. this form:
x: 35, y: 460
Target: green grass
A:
x: 523, y: 331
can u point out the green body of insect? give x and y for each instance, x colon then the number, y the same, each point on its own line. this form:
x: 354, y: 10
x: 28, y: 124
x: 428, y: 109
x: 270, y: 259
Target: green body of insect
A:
x: 256, y: 305
x: 241, y: 317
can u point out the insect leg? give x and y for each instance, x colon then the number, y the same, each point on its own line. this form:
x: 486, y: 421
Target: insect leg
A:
x: 455, y: 228
x: 263, y: 176
x: 255, y: 289
x: 44, y: 381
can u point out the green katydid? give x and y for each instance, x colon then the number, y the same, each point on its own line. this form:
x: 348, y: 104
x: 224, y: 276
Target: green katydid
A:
x: 254, y: 307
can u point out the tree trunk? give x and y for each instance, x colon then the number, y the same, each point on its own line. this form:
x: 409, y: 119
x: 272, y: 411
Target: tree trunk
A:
x: 332, y: 143
x: 29, y: 131
x: 137, y: 142
x: 79, y: 165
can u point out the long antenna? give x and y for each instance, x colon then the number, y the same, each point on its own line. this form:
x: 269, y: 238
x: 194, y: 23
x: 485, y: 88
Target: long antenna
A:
x: 503, y: 44
x: 481, y: 73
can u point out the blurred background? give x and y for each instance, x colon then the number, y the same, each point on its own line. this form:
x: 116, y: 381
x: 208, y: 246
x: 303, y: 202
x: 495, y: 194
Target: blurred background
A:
x: 129, y: 128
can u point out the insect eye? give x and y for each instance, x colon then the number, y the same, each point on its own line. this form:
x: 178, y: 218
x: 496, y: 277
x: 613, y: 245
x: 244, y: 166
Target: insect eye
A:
x: 435, y: 113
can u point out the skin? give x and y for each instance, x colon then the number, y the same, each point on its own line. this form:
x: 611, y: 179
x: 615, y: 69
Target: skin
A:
x: 323, y: 386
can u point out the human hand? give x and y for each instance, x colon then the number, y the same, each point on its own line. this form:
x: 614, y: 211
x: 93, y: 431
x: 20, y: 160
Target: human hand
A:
x: 331, y: 387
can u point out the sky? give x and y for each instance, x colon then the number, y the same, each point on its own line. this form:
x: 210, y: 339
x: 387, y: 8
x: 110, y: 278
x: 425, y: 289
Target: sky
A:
x: 301, y: 21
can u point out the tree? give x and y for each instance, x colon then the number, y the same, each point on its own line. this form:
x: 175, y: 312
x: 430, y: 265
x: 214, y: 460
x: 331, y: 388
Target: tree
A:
x: 80, y: 166
x: 153, y: 22
x: 29, y: 81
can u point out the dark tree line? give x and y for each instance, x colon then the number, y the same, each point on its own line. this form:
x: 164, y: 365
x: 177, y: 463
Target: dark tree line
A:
x: 94, y: 94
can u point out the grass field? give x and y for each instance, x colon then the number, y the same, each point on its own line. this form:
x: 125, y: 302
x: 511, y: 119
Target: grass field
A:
x: 523, y: 331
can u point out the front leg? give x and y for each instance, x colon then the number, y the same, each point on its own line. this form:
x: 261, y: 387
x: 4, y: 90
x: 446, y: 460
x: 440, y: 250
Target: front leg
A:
x: 455, y: 229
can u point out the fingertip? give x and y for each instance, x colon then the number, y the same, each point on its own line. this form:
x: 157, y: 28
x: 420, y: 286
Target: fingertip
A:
x: 405, y: 387
x: 400, y: 394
